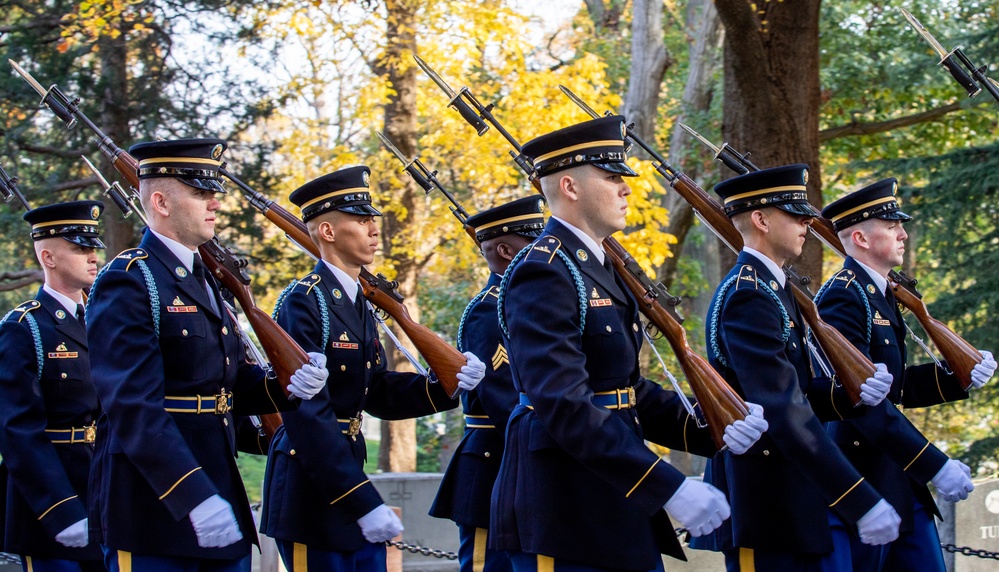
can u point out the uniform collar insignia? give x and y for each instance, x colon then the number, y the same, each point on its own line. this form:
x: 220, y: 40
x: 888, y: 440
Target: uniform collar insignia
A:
x: 773, y: 284
x: 581, y: 255
x: 60, y: 314
x: 337, y: 293
x: 181, y: 271
x: 871, y: 288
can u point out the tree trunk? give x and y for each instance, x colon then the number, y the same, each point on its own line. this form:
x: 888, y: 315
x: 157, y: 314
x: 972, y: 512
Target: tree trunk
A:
x: 703, y: 25
x: 649, y: 61
x: 398, y: 446
x: 118, y: 233
x: 772, y: 94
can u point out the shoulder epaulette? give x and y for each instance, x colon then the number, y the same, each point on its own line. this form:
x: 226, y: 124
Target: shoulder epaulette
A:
x: 544, y: 248
x: 22, y: 310
x: 493, y: 291
x: 305, y: 285
x: 843, y: 278
x: 126, y: 258
x: 747, y: 277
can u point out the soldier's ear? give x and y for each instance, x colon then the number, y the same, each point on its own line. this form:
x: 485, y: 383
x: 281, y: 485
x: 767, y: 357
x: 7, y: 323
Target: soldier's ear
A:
x: 325, y: 231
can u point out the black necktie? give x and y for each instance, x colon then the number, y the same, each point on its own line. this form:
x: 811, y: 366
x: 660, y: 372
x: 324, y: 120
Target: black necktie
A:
x: 608, y: 265
x: 359, y: 303
x: 198, y: 271
x: 79, y: 316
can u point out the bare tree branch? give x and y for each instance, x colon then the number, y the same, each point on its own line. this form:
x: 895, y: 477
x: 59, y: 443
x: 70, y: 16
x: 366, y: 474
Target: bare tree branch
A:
x: 857, y: 128
x: 57, y: 151
x: 77, y: 184
x: 19, y: 279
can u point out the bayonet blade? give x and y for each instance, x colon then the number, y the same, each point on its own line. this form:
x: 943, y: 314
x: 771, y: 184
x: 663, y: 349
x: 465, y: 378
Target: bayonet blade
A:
x: 582, y: 104
x: 27, y: 77
x: 433, y: 75
x: 104, y: 181
x: 395, y: 151
x: 701, y: 138
x: 918, y: 27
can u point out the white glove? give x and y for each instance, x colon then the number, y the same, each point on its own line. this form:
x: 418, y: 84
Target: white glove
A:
x: 214, y: 523
x: 310, y: 378
x: 698, y: 507
x: 380, y: 525
x: 953, y: 481
x: 982, y: 372
x: 742, y: 434
x: 874, y: 390
x: 471, y: 373
x: 879, y: 525
x: 74, y: 535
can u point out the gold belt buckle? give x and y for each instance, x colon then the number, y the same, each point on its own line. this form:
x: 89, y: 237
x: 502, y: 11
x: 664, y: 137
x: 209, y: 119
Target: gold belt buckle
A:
x: 90, y: 433
x: 354, y: 426
x: 631, y: 396
x: 222, y: 403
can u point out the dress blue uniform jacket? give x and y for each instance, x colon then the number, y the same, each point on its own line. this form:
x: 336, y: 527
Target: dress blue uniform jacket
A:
x: 153, y: 466
x: 315, y: 488
x: 577, y: 481
x: 468, y: 481
x: 853, y: 304
x: 45, y: 482
x: 781, y: 488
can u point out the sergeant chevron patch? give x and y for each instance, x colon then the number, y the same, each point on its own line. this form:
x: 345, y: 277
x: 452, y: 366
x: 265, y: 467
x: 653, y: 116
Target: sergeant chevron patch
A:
x: 500, y: 357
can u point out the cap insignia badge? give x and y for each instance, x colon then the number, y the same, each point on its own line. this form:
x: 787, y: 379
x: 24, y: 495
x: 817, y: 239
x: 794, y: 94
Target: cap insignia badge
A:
x: 95, y: 212
x: 217, y: 151
x: 364, y: 178
x: 804, y: 176
x: 624, y: 130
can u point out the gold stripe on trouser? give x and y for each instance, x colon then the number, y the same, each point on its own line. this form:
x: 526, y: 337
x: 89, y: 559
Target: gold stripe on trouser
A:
x: 747, y: 563
x: 479, y: 550
x: 300, y: 558
x: 28, y: 560
x: 124, y: 561
x: 546, y: 564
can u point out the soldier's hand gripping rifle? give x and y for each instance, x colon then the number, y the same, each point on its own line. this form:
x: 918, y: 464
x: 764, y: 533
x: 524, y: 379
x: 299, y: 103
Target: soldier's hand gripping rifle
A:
x: 284, y: 354
x: 850, y: 365
x: 961, y: 357
x: 957, y: 63
x: 445, y: 361
x: 9, y: 190
x: 719, y: 403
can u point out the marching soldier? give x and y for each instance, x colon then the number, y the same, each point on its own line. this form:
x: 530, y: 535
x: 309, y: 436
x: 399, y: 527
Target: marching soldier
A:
x: 166, y: 492
x: 859, y: 303
x: 49, y: 403
x: 792, y: 490
x: 467, y: 485
x: 575, y: 452
x: 318, y: 504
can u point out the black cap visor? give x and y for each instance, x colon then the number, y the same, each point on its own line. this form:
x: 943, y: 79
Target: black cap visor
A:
x: 896, y: 215
x: 616, y: 167
x: 213, y: 185
x: 801, y: 209
x: 362, y: 210
x: 85, y: 241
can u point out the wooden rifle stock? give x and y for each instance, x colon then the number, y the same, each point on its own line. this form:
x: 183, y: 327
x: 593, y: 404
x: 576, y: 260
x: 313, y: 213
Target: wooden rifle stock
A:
x: 719, y: 403
x: 443, y: 359
x: 851, y: 366
x: 960, y: 356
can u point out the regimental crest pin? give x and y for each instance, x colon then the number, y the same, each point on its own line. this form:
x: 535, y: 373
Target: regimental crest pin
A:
x: 61, y: 347
x: 60, y: 314
x: 871, y: 289
x: 594, y: 294
x: 337, y: 293
x: 181, y: 271
x: 177, y: 301
x: 581, y: 255
x: 344, y: 337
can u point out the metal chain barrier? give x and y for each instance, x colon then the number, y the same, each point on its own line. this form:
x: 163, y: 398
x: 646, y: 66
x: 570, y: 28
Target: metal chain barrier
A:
x: 417, y: 549
x: 968, y: 551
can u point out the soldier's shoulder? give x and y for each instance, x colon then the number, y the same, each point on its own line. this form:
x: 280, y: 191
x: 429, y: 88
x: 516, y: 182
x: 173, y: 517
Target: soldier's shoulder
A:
x: 746, y: 278
x: 305, y: 284
x: 126, y: 259
x: 20, y: 311
x: 544, y: 249
x: 843, y: 278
